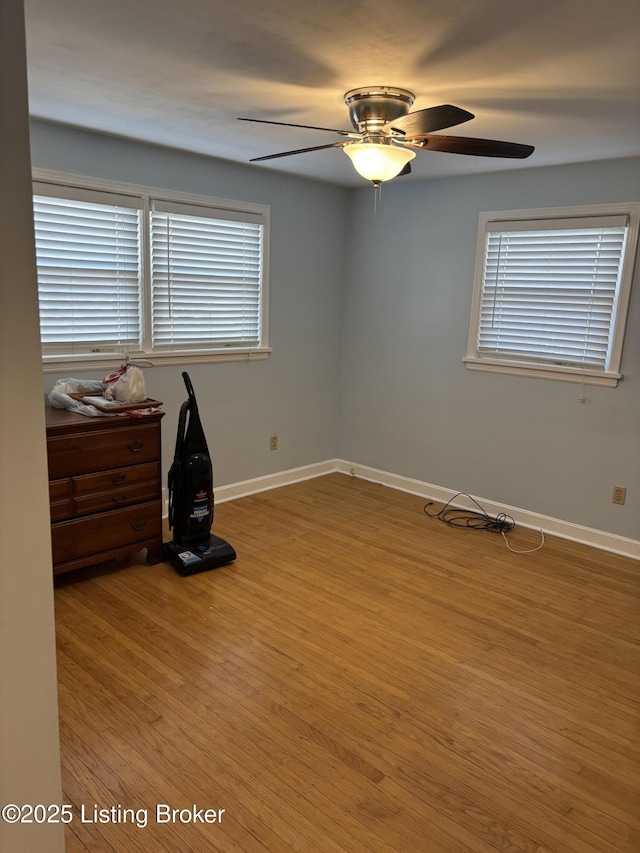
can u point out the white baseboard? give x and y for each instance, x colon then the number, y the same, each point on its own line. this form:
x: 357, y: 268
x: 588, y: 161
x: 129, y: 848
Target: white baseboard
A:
x: 274, y: 481
x: 556, y: 527
x: 263, y: 484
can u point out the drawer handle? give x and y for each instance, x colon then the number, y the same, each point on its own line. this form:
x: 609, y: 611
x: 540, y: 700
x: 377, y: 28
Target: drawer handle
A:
x: 139, y: 524
x: 118, y: 478
x: 119, y: 498
x: 135, y: 446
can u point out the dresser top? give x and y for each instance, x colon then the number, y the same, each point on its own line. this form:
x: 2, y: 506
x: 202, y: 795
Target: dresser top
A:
x: 64, y: 421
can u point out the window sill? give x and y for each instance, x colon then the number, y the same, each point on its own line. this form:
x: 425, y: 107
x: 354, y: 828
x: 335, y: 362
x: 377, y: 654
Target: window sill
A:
x: 108, y: 361
x: 558, y: 374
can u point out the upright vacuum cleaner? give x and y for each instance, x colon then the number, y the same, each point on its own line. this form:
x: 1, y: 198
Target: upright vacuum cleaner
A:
x: 194, y: 548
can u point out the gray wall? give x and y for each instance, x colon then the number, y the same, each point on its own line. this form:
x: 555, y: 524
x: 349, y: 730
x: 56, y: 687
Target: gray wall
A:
x: 409, y: 406
x: 29, y: 753
x: 293, y: 394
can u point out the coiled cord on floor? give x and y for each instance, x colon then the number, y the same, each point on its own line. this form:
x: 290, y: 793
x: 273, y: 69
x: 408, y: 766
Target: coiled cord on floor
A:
x: 477, y: 520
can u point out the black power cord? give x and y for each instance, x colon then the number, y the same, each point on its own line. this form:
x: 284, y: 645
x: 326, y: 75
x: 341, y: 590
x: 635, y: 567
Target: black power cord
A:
x: 477, y: 520
x: 457, y: 517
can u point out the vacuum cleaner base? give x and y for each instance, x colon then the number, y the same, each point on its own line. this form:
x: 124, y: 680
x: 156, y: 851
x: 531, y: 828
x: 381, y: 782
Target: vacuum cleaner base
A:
x: 188, y: 560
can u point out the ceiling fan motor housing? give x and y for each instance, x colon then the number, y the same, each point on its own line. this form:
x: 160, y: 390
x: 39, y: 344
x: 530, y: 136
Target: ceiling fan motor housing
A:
x: 371, y: 107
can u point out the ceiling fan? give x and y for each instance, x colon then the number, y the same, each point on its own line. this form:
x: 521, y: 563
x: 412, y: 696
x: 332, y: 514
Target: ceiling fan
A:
x: 386, y: 135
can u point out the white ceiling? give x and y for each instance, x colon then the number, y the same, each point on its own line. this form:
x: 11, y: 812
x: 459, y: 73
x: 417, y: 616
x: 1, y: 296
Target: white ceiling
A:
x: 563, y: 75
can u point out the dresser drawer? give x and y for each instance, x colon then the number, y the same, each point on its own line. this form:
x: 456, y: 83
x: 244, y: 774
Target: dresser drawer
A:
x: 81, y: 453
x: 89, y: 484
x: 59, y: 490
x: 59, y: 510
x: 122, y: 496
x: 60, y: 499
x: 95, y: 533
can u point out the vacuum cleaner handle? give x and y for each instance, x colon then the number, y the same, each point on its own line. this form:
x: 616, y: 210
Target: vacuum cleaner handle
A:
x: 190, y: 391
x: 192, y: 403
x: 182, y: 422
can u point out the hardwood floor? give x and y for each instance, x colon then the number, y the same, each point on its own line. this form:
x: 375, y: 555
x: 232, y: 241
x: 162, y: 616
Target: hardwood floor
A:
x: 363, y: 679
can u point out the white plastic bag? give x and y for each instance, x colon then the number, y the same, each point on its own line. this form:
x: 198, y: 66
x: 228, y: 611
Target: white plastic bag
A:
x: 60, y: 399
x: 126, y: 385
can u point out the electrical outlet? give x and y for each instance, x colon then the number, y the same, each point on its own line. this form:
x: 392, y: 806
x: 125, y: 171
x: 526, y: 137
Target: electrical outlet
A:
x: 273, y: 442
x: 619, y: 495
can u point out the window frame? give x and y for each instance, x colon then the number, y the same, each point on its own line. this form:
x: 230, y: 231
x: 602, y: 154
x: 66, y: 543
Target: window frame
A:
x: 610, y: 376
x: 107, y: 360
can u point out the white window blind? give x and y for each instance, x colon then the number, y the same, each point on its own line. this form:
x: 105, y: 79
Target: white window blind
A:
x: 207, y: 276
x: 172, y: 276
x: 88, y: 260
x: 549, y: 290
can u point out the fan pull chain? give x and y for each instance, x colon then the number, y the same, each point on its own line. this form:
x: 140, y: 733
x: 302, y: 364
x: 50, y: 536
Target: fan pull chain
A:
x: 377, y: 195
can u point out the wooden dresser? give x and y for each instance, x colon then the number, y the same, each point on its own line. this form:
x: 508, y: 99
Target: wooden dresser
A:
x: 104, y: 487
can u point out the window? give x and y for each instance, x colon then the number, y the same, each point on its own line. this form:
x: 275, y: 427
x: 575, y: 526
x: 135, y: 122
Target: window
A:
x: 88, y: 256
x: 152, y: 273
x: 205, y: 278
x: 551, y: 292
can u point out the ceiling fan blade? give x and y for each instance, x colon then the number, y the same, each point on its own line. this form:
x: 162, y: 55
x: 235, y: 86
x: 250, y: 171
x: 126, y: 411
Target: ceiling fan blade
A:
x: 297, y: 151
x: 307, y: 126
x: 426, y: 121
x: 475, y: 147
x: 405, y: 171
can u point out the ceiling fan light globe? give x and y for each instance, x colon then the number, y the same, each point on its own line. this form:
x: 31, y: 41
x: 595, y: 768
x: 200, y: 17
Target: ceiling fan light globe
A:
x: 377, y: 161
